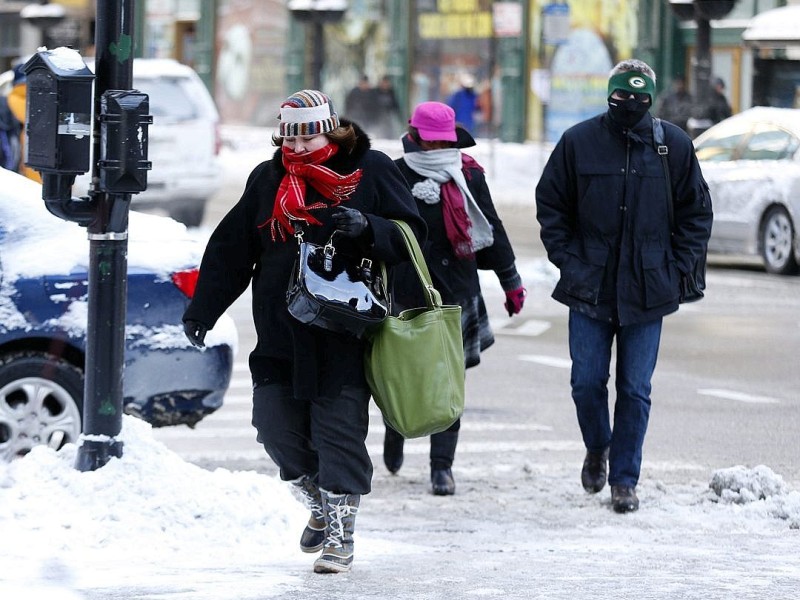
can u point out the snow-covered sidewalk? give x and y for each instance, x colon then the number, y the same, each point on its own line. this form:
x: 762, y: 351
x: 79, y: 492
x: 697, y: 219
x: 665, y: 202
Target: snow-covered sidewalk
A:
x: 151, y: 526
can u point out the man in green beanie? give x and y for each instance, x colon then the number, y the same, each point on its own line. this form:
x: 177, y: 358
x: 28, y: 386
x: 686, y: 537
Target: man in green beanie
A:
x: 603, y: 203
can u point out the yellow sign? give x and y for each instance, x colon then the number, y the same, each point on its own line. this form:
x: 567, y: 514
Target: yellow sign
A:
x: 434, y: 26
x: 448, y: 6
x: 73, y: 3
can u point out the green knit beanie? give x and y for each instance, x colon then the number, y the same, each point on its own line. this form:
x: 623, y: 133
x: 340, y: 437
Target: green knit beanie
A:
x: 634, y: 82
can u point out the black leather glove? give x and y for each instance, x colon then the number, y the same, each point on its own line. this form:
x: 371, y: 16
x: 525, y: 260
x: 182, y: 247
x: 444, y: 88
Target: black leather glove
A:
x: 349, y: 221
x: 196, y: 332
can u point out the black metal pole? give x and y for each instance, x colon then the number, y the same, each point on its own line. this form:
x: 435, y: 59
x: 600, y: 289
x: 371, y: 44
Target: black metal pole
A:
x: 318, y: 57
x: 108, y: 248
x: 702, y: 68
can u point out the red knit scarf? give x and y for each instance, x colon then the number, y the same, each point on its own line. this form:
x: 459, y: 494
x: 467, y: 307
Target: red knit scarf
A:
x: 302, y: 169
x: 457, y: 223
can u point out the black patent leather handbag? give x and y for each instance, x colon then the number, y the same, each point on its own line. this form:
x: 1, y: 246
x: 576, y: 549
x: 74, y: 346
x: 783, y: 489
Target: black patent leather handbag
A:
x: 335, y: 291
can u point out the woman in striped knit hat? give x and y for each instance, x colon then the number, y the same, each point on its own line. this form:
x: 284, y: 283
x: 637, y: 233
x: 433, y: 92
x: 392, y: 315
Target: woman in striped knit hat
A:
x: 310, y: 396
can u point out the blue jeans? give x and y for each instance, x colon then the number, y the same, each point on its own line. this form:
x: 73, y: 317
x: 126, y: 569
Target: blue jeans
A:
x: 590, y: 342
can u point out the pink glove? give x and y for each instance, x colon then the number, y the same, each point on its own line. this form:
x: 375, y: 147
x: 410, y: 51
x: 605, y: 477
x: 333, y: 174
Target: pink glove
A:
x: 514, y: 300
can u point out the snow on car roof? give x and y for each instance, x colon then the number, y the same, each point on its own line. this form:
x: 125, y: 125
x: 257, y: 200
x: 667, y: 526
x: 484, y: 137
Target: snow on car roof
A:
x: 35, y: 242
x: 777, y: 26
x: 152, y: 67
x: 788, y: 118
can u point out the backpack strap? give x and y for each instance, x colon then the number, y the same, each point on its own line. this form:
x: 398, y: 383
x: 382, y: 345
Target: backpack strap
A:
x: 663, y: 152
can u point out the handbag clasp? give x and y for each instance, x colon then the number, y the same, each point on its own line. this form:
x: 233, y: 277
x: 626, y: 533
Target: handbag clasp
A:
x: 366, y: 269
x: 328, y: 251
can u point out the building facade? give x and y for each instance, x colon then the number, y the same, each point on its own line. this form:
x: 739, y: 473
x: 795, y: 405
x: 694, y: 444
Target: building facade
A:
x: 538, y: 65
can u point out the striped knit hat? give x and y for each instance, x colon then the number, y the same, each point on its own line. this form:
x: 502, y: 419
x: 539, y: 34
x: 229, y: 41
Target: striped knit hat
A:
x: 307, y: 112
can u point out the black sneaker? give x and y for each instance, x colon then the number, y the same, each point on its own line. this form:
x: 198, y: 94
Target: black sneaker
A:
x: 442, y: 482
x: 623, y: 499
x: 595, y: 471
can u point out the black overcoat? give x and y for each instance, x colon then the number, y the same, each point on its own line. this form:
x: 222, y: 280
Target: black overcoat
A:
x: 602, y: 205
x: 239, y: 251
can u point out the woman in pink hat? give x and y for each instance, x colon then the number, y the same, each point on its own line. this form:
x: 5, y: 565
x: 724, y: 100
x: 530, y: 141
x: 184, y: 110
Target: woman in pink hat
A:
x: 464, y: 234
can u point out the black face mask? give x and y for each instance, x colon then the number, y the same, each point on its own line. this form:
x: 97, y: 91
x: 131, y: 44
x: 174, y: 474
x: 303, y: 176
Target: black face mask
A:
x: 627, y: 112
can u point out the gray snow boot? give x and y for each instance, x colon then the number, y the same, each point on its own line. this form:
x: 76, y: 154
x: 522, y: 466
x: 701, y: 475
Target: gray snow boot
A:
x: 340, y: 520
x: 314, y: 534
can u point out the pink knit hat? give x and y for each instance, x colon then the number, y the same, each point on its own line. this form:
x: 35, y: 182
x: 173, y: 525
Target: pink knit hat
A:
x: 435, y: 122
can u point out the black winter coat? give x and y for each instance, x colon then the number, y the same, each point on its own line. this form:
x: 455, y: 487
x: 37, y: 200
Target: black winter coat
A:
x: 602, y: 206
x: 455, y: 278
x: 313, y: 360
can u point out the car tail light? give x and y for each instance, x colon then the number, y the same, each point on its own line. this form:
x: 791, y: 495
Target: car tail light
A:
x: 217, y: 139
x: 186, y: 281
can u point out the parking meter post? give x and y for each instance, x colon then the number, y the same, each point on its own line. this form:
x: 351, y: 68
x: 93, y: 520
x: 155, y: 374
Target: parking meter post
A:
x: 108, y: 249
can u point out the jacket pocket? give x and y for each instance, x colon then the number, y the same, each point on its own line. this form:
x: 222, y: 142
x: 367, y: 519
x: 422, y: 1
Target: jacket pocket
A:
x: 582, y: 274
x: 660, y: 277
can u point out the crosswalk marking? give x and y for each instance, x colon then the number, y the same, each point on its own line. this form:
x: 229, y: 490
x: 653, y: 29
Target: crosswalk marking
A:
x: 739, y: 396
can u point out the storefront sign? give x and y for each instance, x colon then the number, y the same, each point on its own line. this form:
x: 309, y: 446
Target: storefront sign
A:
x: 555, y: 24
x: 507, y: 19
x: 456, y: 19
x: 455, y: 25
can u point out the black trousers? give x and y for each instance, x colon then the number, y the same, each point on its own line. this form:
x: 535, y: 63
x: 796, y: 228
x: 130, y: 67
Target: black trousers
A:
x: 324, y: 437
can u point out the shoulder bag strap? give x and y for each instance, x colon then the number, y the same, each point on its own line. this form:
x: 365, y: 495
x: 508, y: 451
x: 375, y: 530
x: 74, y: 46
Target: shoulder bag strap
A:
x: 432, y: 296
x: 663, y: 152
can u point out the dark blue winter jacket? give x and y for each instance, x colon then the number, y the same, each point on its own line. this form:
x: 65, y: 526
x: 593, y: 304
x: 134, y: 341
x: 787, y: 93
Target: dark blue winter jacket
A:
x: 603, y: 210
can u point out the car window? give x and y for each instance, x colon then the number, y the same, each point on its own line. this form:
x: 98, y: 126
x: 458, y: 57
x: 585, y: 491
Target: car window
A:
x: 770, y: 144
x: 169, y: 97
x: 719, y: 148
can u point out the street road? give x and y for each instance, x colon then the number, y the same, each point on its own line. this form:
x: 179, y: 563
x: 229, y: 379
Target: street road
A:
x: 726, y: 390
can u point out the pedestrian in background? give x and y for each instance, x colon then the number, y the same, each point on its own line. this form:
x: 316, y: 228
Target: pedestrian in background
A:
x: 718, y: 106
x: 464, y: 102
x: 360, y: 105
x: 17, y: 104
x: 388, y: 110
x: 464, y: 234
x: 602, y: 204
x: 310, y: 395
x: 10, y: 132
x: 676, y: 106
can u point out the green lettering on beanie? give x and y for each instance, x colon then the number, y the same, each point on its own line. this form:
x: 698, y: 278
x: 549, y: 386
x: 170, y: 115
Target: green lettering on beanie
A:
x: 632, y: 81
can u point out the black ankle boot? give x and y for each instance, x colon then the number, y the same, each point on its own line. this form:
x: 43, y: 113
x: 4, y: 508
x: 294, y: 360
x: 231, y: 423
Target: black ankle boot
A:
x: 595, y: 471
x: 442, y: 482
x: 624, y: 499
x: 393, y: 450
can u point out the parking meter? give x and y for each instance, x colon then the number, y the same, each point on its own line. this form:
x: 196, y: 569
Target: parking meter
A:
x: 59, y: 112
x: 58, y: 126
x: 124, y: 126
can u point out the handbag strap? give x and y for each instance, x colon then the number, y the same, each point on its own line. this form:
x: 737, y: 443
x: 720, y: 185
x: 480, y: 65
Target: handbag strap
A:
x: 432, y: 296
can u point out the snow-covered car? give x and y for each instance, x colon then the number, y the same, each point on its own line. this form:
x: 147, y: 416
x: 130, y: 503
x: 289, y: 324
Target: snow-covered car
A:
x: 43, y: 319
x: 752, y: 164
x: 184, y: 141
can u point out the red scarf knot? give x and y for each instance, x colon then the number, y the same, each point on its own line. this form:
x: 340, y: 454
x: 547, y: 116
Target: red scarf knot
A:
x: 303, y: 169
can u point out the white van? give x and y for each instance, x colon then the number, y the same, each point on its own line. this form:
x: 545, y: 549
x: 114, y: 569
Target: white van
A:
x: 184, y: 141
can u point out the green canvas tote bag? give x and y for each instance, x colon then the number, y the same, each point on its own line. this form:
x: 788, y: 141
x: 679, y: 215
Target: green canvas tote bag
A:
x: 415, y: 361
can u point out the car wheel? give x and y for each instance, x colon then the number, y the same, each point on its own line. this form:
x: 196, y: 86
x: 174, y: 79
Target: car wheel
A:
x: 777, y: 242
x: 41, y: 397
x: 191, y: 216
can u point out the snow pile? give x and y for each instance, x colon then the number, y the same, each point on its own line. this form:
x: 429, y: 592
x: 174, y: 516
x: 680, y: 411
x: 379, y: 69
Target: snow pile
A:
x: 759, y: 487
x: 144, y: 507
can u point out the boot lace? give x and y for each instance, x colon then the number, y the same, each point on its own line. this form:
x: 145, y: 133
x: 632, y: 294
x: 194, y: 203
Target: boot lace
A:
x: 311, y: 495
x: 338, y: 513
